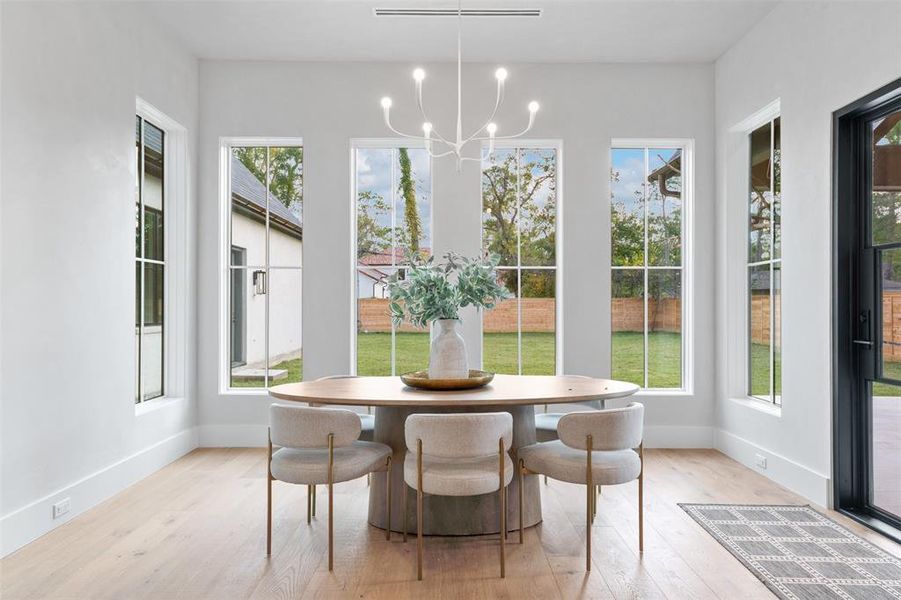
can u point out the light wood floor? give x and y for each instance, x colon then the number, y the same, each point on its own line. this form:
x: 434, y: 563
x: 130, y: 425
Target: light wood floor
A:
x: 195, y: 530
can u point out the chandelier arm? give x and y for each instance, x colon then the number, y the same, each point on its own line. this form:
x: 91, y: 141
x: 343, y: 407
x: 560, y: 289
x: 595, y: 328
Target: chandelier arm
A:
x: 425, y: 116
x: 497, y: 104
x: 400, y: 133
x: 515, y: 135
x: 440, y: 154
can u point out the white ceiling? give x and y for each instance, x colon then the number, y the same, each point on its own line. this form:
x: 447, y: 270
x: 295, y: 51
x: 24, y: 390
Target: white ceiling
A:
x: 568, y: 31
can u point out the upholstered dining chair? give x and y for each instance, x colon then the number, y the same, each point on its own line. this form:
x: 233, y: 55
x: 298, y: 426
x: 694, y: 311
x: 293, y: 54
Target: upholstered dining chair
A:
x: 320, y: 446
x: 367, y: 434
x: 367, y: 421
x: 595, y: 447
x: 458, y: 455
x: 546, y: 423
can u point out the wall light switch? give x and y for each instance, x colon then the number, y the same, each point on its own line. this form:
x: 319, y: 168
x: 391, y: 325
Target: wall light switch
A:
x: 761, y: 461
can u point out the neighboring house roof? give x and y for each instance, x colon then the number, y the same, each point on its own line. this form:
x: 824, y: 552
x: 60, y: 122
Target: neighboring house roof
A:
x: 250, y: 192
x: 672, y: 168
x: 383, y: 259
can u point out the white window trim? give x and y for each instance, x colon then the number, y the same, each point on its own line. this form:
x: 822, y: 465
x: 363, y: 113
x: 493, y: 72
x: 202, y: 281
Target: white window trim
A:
x: 738, y: 372
x: 225, y: 145
x: 540, y: 144
x: 688, y: 238
x: 176, y: 191
x: 375, y: 144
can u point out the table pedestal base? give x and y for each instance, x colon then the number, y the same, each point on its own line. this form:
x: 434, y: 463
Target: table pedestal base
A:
x: 451, y: 515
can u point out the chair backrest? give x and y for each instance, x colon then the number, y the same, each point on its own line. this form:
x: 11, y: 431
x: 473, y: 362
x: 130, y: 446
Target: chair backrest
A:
x: 612, y: 429
x: 468, y: 435
x: 304, y: 427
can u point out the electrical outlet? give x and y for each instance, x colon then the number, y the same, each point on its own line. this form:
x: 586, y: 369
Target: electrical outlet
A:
x: 62, y: 507
x: 761, y: 461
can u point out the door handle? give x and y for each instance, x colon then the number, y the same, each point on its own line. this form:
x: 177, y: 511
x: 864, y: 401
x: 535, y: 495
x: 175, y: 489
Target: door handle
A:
x: 862, y: 342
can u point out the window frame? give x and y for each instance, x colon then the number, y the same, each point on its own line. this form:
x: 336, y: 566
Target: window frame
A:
x: 537, y: 144
x: 767, y: 115
x: 226, y: 144
x: 176, y: 198
x: 687, y: 145
x: 377, y: 144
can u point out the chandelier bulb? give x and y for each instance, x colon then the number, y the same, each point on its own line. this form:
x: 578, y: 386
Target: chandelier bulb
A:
x: 418, y: 74
x: 491, y: 128
x: 533, y: 106
x: 501, y: 74
x: 386, y: 102
x: 427, y: 128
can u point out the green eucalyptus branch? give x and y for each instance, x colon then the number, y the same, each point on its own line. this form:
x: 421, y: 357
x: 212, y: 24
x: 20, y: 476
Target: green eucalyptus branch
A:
x: 429, y: 291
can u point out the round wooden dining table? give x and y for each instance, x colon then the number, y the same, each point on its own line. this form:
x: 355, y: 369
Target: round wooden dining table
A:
x: 394, y: 402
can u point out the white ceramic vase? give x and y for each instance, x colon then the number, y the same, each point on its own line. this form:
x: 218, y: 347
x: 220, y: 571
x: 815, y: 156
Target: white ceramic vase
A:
x: 447, y: 358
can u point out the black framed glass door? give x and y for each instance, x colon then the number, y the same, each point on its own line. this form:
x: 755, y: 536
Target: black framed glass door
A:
x: 867, y: 310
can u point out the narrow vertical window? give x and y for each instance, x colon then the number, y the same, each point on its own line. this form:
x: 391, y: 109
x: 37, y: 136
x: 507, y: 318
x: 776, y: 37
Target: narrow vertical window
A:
x: 647, y: 240
x: 765, y: 264
x: 265, y: 253
x: 519, y: 224
x: 150, y: 260
x: 393, y: 207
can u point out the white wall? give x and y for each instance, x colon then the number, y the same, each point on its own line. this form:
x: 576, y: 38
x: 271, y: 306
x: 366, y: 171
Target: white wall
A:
x: 285, y: 292
x: 815, y: 58
x: 327, y: 104
x: 71, y: 74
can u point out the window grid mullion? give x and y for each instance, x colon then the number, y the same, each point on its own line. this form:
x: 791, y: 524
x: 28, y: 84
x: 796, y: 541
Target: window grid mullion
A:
x: 644, y: 185
x: 519, y: 259
x: 772, y: 323
x: 266, y: 281
x: 394, y: 199
x: 142, y: 269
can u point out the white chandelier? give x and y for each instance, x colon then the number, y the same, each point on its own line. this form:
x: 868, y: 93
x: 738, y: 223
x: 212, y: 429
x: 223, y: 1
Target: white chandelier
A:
x: 430, y: 135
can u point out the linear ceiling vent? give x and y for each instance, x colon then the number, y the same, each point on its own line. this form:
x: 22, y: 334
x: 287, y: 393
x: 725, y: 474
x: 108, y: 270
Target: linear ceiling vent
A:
x: 452, y: 12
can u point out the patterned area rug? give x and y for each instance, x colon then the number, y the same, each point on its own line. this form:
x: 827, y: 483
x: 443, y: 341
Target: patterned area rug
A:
x: 800, y: 554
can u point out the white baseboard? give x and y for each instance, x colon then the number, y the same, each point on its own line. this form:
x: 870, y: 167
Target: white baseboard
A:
x: 787, y: 473
x: 666, y: 436
x: 254, y: 436
x: 233, y: 436
x: 28, y: 523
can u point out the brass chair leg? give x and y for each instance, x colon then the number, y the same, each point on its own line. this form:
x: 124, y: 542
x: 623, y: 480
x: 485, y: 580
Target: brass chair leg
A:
x: 419, y: 510
x: 331, y: 511
x: 521, y: 467
x: 506, y: 503
x: 388, y: 511
x: 641, y: 499
x: 589, y: 489
x: 503, y: 501
x: 314, y: 500
x: 309, y: 500
x: 269, y: 499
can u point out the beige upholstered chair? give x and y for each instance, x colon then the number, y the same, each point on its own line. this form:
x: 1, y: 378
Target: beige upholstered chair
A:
x: 458, y: 455
x: 546, y: 423
x: 595, y: 447
x: 367, y: 434
x: 320, y: 445
x: 367, y: 421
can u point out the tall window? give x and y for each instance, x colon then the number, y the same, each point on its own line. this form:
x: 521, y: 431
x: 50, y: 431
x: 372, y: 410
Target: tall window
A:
x: 150, y: 260
x: 519, y: 224
x: 647, y: 241
x: 393, y: 207
x: 265, y: 264
x: 765, y: 264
